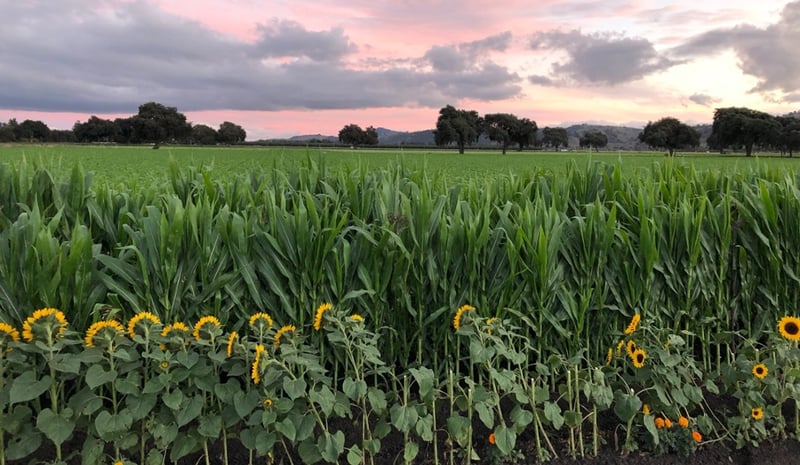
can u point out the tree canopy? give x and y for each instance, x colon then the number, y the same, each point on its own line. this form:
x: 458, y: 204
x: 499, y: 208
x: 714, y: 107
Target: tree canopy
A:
x: 743, y: 127
x: 789, y: 137
x: 352, y: 134
x: 457, y: 126
x: 594, y: 140
x: 555, y: 137
x: 229, y: 133
x: 670, y: 134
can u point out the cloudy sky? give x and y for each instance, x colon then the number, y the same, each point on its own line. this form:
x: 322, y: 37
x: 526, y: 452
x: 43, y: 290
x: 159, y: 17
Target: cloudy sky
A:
x: 287, y: 67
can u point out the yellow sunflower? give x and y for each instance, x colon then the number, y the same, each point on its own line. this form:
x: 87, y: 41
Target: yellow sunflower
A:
x: 206, y: 320
x: 281, y: 332
x: 757, y: 413
x: 48, y: 321
x: 177, y: 326
x: 255, y: 372
x: 760, y: 371
x: 609, y: 356
x: 630, y: 347
x: 789, y: 327
x: 357, y: 317
x: 107, y: 330
x: 142, y: 320
x: 460, y: 313
x: 7, y: 334
x: 638, y: 357
x: 320, y: 312
x: 231, y: 340
x: 633, y: 324
x: 260, y: 320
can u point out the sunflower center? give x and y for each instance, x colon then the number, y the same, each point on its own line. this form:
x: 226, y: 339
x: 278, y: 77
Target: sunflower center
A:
x: 640, y: 358
x: 759, y: 370
x: 791, y: 328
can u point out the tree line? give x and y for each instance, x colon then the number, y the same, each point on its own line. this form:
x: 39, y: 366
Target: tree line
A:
x: 153, y: 124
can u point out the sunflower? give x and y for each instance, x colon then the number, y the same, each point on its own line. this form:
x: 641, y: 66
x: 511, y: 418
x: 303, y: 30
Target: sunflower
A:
x: 146, y: 319
x: 609, y: 356
x: 206, y: 320
x: 260, y: 320
x: 659, y: 422
x: 620, y: 345
x: 52, y: 321
x: 633, y: 324
x: 164, y: 364
x: 102, y: 328
x: 231, y: 340
x: 320, y: 312
x: 646, y: 409
x: 357, y: 317
x: 683, y: 422
x: 177, y: 326
x: 460, y: 313
x: 630, y: 347
x: 492, y: 439
x: 757, y: 413
x: 7, y: 334
x: 760, y: 371
x: 789, y: 327
x: 638, y: 357
x: 667, y: 423
x: 255, y: 373
x: 281, y: 332
x: 179, y: 335
x: 267, y: 403
x: 697, y: 436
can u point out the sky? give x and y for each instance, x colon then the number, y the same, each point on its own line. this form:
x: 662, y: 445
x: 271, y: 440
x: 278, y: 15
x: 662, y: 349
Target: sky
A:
x: 287, y: 67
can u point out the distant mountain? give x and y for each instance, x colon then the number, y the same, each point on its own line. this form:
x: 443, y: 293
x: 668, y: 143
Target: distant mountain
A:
x: 619, y: 137
x: 314, y: 138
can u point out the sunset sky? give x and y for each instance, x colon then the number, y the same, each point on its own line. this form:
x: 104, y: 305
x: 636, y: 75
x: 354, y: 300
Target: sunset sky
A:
x: 287, y: 67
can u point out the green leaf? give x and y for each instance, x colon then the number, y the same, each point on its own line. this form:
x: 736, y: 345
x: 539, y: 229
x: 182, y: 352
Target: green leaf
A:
x: 626, y: 405
x: 377, y: 399
x: 184, y: 445
x: 97, y: 376
x: 67, y: 363
x: 140, y: 406
x: 485, y: 413
x: 287, y: 429
x: 225, y: 392
x: 425, y: 380
x: 354, y: 389
x: 410, y: 451
x: 245, y: 402
x: 403, y: 417
x: 57, y: 427
x: 331, y: 446
x: 22, y: 445
x: 459, y: 428
x: 309, y: 452
x: 553, y: 413
x: 650, y: 425
x: 92, y: 451
x: 173, y: 399
x: 354, y: 456
x: 505, y: 439
x: 26, y: 387
x: 210, y: 426
x: 190, y: 411
x: 324, y: 398
x: 521, y: 418
x: 424, y: 428
x: 572, y: 418
x: 109, y: 426
x: 294, y: 389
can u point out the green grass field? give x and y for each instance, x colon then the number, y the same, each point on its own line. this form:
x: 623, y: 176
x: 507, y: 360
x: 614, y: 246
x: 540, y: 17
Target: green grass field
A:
x: 131, y: 166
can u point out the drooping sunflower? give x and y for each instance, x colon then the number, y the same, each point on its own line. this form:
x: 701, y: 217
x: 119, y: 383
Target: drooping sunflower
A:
x: 47, y: 322
x: 178, y: 334
x: 633, y: 324
x: 760, y: 371
x: 757, y: 413
x: 659, y: 422
x: 789, y: 327
x: 255, y: 372
x: 208, y: 333
x: 357, y: 317
x: 646, y: 409
x: 231, y: 340
x: 102, y: 333
x: 492, y: 439
x: 281, y: 332
x: 609, y: 356
x: 630, y: 347
x: 320, y: 312
x: 697, y: 436
x: 683, y: 422
x: 620, y: 345
x: 460, y: 313
x: 7, y: 334
x: 638, y: 357
x: 174, y: 327
x: 143, y: 320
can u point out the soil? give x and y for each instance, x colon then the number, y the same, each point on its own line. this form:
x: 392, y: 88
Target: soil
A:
x: 772, y: 453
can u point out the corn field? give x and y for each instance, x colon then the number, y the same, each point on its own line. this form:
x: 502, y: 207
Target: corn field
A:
x: 569, y: 258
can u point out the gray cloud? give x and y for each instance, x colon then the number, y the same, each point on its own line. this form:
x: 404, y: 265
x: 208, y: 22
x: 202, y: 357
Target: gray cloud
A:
x: 540, y: 80
x: 771, y: 54
x: 703, y: 99
x: 291, y: 39
x: 100, y: 57
x: 601, y: 59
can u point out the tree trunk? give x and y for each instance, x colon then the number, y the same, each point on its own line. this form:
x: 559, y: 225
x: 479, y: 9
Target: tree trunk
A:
x: 504, y: 149
x: 748, y: 149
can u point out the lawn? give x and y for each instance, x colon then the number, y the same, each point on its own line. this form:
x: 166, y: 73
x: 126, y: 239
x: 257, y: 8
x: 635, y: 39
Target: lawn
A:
x: 131, y: 165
